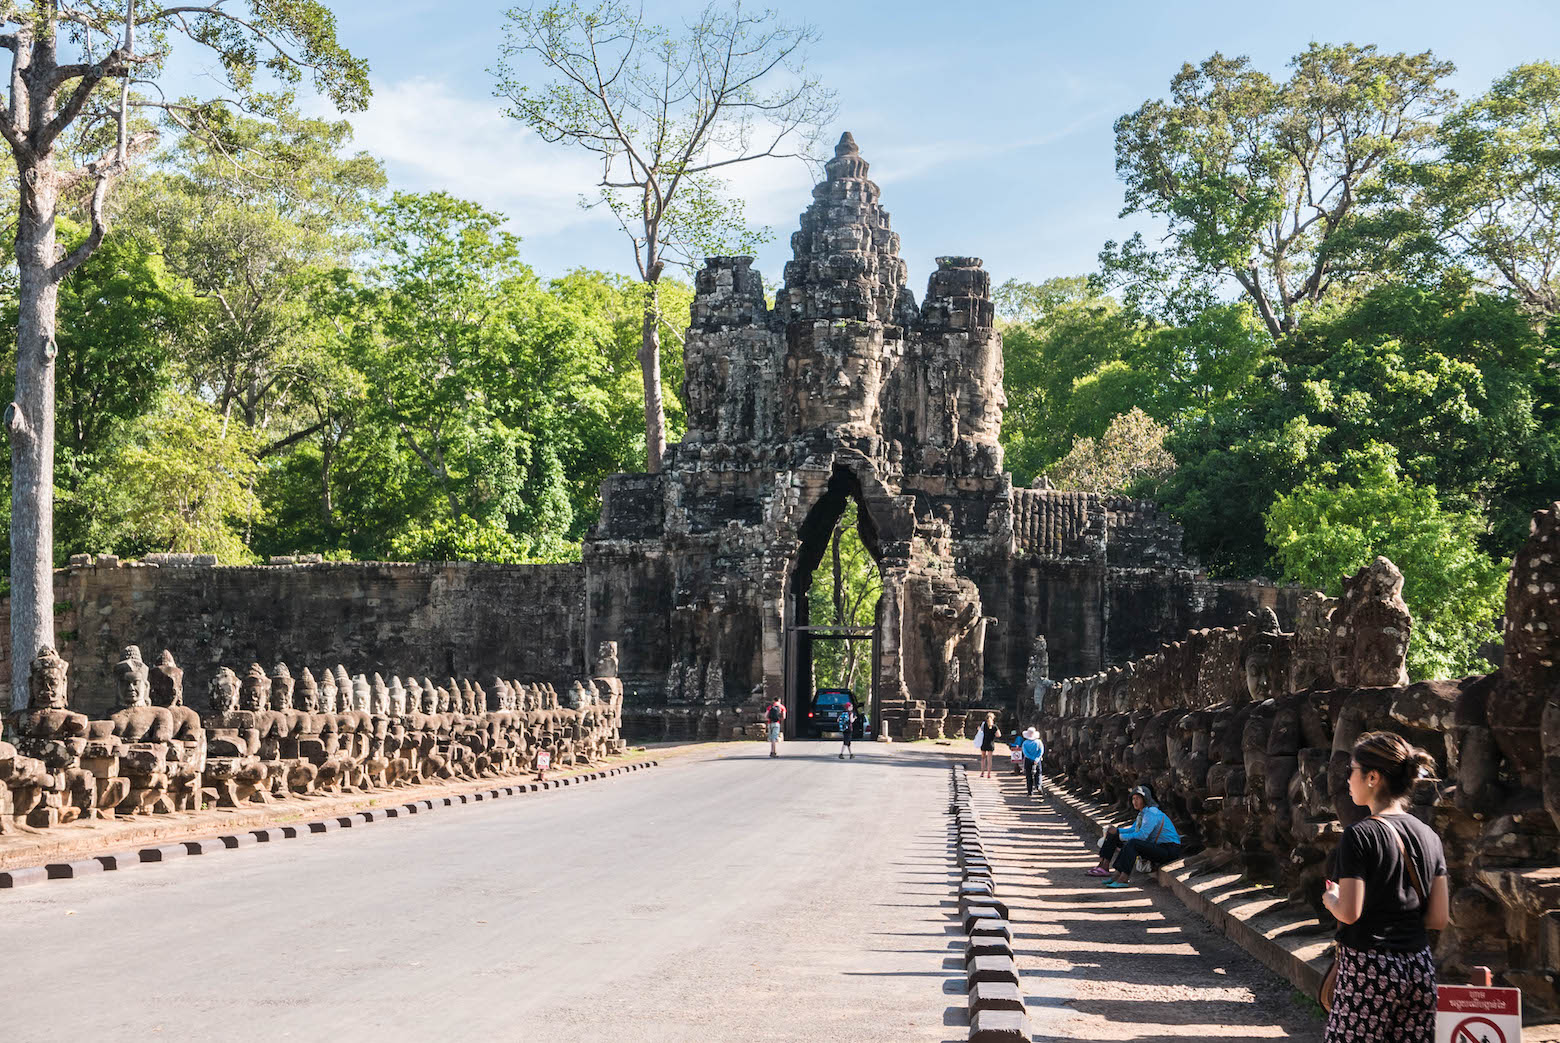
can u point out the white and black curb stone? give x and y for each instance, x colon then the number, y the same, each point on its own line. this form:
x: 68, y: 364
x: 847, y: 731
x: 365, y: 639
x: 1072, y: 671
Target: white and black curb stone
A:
x: 123, y: 860
x: 996, y: 1004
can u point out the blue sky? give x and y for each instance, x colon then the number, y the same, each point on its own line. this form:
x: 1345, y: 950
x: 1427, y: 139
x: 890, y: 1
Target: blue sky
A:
x: 988, y: 124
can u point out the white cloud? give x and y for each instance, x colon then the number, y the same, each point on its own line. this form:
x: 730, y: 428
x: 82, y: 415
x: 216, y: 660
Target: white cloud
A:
x: 431, y: 138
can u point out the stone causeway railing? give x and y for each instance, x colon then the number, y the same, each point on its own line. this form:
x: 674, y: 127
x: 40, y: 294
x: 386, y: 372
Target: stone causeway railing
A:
x: 1245, y: 734
x: 272, y: 736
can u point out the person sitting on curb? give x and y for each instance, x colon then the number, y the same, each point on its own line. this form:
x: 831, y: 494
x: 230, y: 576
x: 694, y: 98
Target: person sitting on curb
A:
x: 1152, y: 837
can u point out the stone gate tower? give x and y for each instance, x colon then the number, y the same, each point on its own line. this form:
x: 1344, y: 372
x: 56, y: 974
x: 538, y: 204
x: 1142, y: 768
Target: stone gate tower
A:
x: 847, y: 389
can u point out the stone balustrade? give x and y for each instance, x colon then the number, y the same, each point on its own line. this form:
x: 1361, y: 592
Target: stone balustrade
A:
x: 272, y: 736
x: 1245, y: 733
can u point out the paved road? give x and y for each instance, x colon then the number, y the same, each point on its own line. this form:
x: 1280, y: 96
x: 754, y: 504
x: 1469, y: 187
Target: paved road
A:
x: 733, y: 897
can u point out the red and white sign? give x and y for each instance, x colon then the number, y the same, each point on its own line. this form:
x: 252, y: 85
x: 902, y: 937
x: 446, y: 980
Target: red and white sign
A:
x: 1475, y: 1014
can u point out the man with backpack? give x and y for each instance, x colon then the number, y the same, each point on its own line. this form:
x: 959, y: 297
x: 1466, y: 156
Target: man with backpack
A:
x: 775, y: 716
x: 847, y: 725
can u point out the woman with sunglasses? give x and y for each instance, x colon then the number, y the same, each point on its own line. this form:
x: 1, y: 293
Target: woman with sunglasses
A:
x: 1391, y: 889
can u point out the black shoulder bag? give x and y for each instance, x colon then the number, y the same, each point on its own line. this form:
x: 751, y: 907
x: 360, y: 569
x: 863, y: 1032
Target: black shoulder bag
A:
x: 1324, y: 994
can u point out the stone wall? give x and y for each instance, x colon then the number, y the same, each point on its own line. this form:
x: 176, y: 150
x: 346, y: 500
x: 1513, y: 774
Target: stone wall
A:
x: 436, y: 620
x: 1245, y: 732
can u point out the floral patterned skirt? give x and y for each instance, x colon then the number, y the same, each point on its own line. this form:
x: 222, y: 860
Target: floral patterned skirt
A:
x: 1383, y: 997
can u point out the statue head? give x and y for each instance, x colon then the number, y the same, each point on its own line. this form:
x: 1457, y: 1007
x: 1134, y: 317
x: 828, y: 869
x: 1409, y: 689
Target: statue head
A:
x: 328, y: 691
x: 46, y: 680
x: 430, y: 696
x: 360, y: 693
x: 397, y: 697
x: 167, y: 681
x: 306, y: 694
x: 447, y: 697
x: 281, y: 687
x: 254, y: 690
x: 414, y: 695
x: 468, y: 698
x: 1259, y: 676
x: 132, y: 676
x: 379, y: 697
x: 222, y: 692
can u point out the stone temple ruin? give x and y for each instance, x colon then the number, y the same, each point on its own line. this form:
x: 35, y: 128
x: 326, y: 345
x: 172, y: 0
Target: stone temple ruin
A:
x: 847, y: 389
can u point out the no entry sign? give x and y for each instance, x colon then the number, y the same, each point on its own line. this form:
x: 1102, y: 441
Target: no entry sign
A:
x: 1475, y: 1014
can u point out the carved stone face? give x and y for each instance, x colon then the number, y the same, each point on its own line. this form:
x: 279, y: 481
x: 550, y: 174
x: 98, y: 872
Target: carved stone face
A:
x: 1259, y: 681
x: 131, y: 675
x: 167, y: 681
x: 306, y: 694
x: 328, y: 693
x: 360, y: 694
x: 222, y: 693
x: 281, y: 687
x: 254, y: 689
x: 46, y: 681
x: 397, y: 697
x: 430, y: 698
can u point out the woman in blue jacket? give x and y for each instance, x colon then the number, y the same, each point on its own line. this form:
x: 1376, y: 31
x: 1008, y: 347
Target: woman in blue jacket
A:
x: 1151, y: 836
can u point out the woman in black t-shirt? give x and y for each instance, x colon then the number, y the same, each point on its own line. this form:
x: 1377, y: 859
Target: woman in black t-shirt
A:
x: 1391, y: 888
x: 989, y: 734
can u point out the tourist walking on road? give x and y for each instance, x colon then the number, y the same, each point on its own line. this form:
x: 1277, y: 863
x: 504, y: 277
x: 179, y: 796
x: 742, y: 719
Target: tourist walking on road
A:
x: 775, y: 717
x: 1152, y: 836
x: 847, y: 725
x: 1033, y: 750
x: 1391, y: 888
x: 986, y: 738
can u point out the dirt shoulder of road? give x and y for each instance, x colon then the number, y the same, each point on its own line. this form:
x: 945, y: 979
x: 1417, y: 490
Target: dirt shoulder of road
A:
x: 85, y: 839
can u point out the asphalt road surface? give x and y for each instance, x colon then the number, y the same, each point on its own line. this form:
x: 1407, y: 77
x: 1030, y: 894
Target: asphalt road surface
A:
x: 728, y: 897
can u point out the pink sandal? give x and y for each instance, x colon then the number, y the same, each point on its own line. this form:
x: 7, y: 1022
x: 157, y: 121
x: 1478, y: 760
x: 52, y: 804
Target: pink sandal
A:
x: 1097, y: 871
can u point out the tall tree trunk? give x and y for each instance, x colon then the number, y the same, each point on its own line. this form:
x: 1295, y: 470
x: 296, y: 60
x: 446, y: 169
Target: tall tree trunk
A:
x: 327, y: 453
x: 30, y: 424
x: 650, y: 370
x: 839, y: 585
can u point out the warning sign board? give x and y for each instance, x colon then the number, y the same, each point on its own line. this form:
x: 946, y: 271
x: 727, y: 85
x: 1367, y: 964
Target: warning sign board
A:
x: 1474, y: 1014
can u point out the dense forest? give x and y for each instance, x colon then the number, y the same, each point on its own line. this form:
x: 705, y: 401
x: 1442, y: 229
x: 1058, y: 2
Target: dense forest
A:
x: 1340, y: 345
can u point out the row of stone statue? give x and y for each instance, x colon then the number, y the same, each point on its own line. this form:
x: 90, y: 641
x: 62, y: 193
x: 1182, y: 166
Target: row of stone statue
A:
x: 269, y: 736
x: 1246, y: 735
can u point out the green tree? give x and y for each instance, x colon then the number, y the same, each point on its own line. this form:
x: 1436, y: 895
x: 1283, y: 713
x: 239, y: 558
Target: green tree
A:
x: 1130, y: 452
x: 256, y: 214
x: 45, y: 97
x: 1327, y: 529
x: 180, y: 481
x: 1459, y: 383
x: 1494, y: 189
x: 665, y: 113
x: 1263, y: 182
x: 1079, y: 360
x: 429, y: 354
